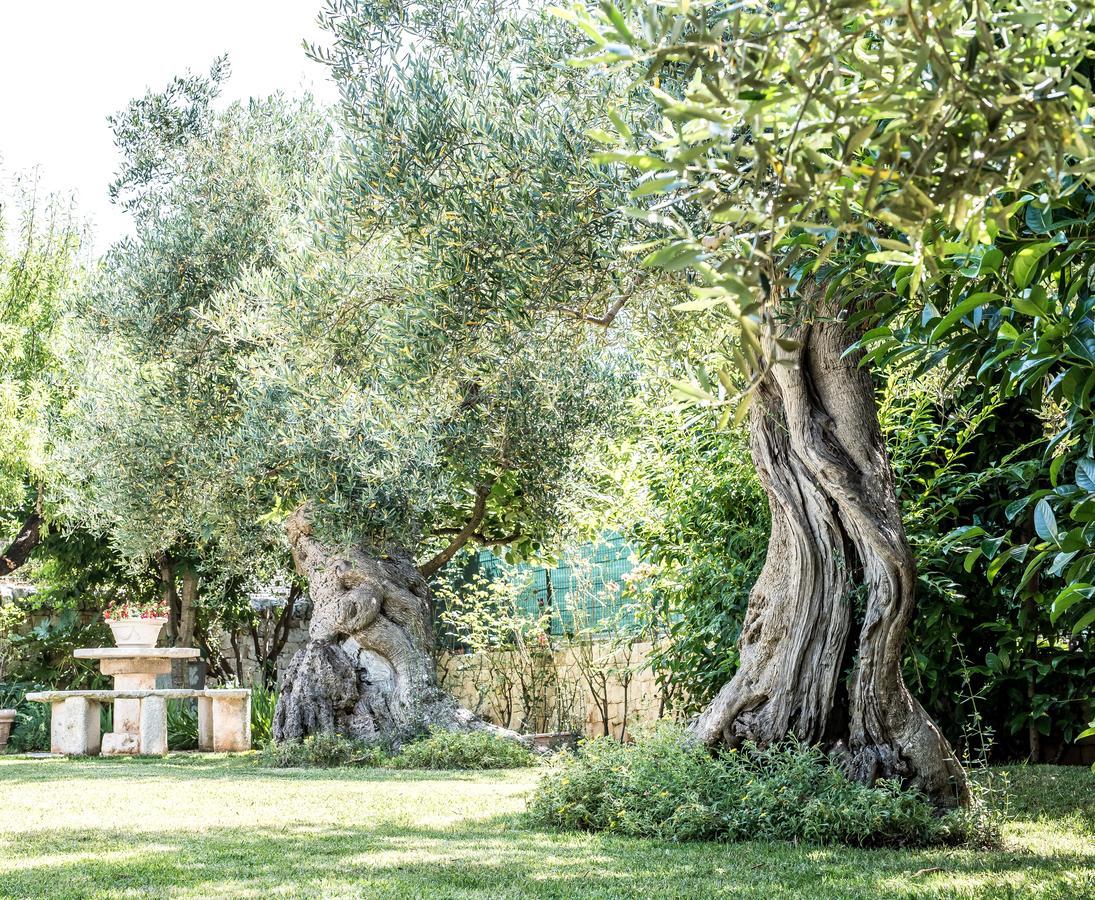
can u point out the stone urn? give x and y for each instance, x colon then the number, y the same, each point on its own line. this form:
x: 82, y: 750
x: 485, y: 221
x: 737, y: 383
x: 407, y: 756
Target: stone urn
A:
x: 7, y: 720
x: 136, y: 633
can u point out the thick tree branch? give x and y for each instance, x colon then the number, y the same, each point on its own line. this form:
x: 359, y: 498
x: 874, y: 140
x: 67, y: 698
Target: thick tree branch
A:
x: 19, y: 550
x: 465, y: 534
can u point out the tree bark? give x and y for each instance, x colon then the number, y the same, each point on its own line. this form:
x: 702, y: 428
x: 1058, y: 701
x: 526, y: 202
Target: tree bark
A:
x: 368, y: 668
x: 837, y: 556
x: 21, y: 547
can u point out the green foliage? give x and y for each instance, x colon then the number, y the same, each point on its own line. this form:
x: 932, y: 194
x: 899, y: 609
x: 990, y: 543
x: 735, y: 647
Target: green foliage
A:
x: 858, y: 134
x: 985, y: 657
x: 31, y: 730
x: 443, y: 749
x: 466, y: 235
x: 182, y: 725
x: 148, y: 445
x: 701, y: 530
x: 669, y: 787
x: 323, y: 750
x: 1021, y: 325
x: 39, y: 263
x: 440, y: 749
x: 43, y: 654
x: 264, y: 701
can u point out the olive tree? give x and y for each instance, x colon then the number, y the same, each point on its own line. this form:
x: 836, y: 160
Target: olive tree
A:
x: 802, y: 148
x: 39, y: 264
x: 422, y: 381
x: 146, y: 442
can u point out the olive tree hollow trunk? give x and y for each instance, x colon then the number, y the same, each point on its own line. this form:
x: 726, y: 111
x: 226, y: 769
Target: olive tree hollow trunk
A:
x: 368, y: 669
x: 820, y: 647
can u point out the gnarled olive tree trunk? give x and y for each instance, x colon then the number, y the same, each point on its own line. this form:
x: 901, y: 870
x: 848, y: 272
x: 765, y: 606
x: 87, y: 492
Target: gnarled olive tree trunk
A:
x: 368, y: 668
x: 837, y: 559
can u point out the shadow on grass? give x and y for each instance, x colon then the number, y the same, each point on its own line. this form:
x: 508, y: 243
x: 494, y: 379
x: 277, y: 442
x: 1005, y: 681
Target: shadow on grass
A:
x: 500, y: 857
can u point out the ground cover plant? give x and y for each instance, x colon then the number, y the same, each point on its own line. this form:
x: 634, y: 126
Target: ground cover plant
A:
x: 670, y: 787
x: 363, y: 832
x: 439, y: 749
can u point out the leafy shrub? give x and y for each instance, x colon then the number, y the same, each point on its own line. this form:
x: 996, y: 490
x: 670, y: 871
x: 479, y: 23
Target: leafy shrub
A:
x: 31, y: 733
x: 182, y: 725
x: 666, y: 786
x: 438, y: 750
x: 462, y: 750
x: 264, y: 701
x: 320, y: 751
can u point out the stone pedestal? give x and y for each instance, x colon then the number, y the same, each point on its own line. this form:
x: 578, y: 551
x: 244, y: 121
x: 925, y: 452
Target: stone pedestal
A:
x: 232, y: 723
x: 205, y: 723
x: 153, y: 735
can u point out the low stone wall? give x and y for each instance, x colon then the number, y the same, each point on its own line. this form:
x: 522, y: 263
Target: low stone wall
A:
x: 578, y: 687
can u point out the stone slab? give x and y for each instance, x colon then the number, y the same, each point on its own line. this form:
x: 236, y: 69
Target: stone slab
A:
x: 111, y: 696
x: 142, y: 665
x: 117, y: 743
x: 137, y: 653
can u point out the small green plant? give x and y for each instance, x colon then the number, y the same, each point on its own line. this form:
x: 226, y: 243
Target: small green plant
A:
x: 668, y: 786
x: 264, y: 702
x: 31, y: 731
x: 182, y: 725
x: 462, y: 750
x: 320, y: 751
x: 437, y: 750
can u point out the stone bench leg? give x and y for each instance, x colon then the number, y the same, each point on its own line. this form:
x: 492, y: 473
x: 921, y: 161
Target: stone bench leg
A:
x: 153, y: 726
x: 74, y: 729
x: 231, y: 724
x: 205, y: 723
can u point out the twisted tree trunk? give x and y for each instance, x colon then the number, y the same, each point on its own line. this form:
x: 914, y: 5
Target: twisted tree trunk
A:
x: 837, y: 555
x: 368, y: 669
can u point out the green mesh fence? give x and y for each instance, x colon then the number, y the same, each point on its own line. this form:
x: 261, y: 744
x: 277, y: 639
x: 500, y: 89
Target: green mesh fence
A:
x: 583, y: 591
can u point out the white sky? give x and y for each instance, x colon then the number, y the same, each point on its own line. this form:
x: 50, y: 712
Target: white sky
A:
x: 68, y: 64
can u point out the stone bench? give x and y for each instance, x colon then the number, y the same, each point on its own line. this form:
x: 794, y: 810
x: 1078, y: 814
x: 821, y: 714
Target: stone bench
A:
x: 224, y: 721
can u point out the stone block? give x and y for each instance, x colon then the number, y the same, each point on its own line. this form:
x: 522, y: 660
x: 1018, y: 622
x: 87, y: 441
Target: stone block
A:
x: 121, y: 744
x: 138, y: 666
x: 74, y: 730
x: 231, y: 723
x: 205, y: 723
x: 153, y: 741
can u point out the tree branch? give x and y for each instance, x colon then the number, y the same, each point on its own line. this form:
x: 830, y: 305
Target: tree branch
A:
x: 614, y: 308
x: 484, y: 539
x: 19, y: 550
x: 431, y: 568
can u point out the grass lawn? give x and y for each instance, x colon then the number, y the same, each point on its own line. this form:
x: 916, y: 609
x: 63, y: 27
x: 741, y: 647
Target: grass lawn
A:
x: 209, y: 826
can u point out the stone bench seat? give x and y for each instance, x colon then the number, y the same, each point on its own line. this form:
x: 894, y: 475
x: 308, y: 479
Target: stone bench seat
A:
x: 108, y: 696
x: 224, y: 720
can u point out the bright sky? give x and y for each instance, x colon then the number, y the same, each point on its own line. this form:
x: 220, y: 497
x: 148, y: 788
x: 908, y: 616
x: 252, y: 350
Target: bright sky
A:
x: 66, y: 65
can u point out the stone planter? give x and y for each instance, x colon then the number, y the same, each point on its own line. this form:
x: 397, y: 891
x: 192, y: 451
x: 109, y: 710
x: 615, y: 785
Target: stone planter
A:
x: 135, y: 633
x: 7, y: 721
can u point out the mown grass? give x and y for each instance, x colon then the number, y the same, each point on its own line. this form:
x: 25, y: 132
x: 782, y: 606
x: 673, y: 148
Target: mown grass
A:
x: 209, y: 826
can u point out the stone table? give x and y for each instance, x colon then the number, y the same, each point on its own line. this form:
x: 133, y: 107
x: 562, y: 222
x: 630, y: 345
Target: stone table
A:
x: 133, y: 669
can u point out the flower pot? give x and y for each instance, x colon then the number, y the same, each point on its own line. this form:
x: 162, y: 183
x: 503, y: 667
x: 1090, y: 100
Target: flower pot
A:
x: 136, y: 633
x: 7, y: 721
